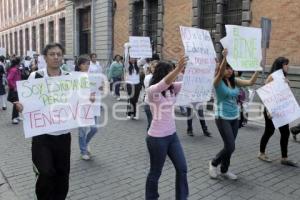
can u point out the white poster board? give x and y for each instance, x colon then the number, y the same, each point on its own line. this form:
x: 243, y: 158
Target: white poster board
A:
x: 244, y: 47
x: 140, y: 47
x: 41, y: 62
x: 2, y: 51
x: 199, y: 73
x: 30, y: 53
x: 280, y: 102
x: 55, y: 104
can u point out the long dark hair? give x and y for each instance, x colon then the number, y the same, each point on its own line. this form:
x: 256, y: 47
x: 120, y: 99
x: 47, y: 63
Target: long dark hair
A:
x: 133, y: 66
x: 231, y: 78
x: 15, y: 62
x: 278, y: 64
x: 80, y: 61
x: 161, y: 70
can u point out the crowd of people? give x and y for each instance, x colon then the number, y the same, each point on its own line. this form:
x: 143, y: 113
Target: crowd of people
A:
x: 51, y: 152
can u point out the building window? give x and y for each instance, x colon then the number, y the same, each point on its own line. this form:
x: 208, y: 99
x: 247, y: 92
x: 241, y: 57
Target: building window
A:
x: 33, y: 38
x: 21, y: 42
x: 137, y: 21
x: 85, y: 30
x: 51, y: 31
x: 9, y: 9
x: 62, y: 32
x: 42, y: 37
x: 11, y: 43
x: 33, y: 3
x: 153, y: 23
x: 3, y: 42
x: 233, y: 12
x: 20, y: 8
x: 207, y: 19
x: 6, y: 42
x: 25, y: 5
x: 27, y: 39
x: 16, y: 43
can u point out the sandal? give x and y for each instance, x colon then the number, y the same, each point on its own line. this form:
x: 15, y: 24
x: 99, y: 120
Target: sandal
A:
x: 263, y: 157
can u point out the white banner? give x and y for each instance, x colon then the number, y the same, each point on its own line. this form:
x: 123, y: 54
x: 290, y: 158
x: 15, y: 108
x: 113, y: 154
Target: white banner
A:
x: 199, y: 73
x: 2, y: 51
x: 140, y: 47
x: 244, y: 47
x: 55, y: 104
x: 280, y: 102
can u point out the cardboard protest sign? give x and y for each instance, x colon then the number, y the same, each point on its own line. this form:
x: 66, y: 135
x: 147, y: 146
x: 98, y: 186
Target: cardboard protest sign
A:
x: 199, y: 73
x: 140, y: 47
x: 55, y: 104
x: 2, y: 51
x: 244, y: 47
x: 280, y: 102
x: 30, y: 53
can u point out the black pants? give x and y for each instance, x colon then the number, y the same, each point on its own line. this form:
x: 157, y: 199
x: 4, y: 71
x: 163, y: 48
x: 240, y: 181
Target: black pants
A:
x: 269, y: 131
x: 51, y: 159
x: 190, y: 119
x: 228, y: 130
x: 133, y: 94
x: 13, y: 97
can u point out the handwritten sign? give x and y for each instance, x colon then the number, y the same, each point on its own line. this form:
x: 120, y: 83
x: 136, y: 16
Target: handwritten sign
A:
x: 199, y: 73
x: 244, y: 47
x: 140, y: 47
x: 2, y: 51
x: 280, y: 102
x: 55, y: 104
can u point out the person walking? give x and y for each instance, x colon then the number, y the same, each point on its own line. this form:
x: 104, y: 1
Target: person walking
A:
x: 280, y: 63
x: 227, y: 115
x: 162, y: 140
x: 88, y: 132
x: 116, y: 72
x: 2, y: 83
x: 14, y: 75
x: 51, y: 152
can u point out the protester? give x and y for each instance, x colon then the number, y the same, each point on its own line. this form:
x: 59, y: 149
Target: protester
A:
x: 116, y: 72
x: 133, y: 86
x: 281, y: 63
x: 95, y: 66
x: 147, y: 80
x: 2, y: 83
x: 227, y: 115
x: 162, y: 139
x: 86, y: 133
x: 14, y: 75
x: 51, y: 152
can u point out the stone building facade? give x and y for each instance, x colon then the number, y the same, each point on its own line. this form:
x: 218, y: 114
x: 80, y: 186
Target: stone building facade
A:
x: 133, y: 17
x: 28, y: 25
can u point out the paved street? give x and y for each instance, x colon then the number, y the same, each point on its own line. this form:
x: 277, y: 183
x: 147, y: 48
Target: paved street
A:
x: 120, y: 163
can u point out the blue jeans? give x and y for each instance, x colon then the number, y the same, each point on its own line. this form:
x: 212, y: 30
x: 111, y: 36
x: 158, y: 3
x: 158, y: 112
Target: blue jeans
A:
x: 116, y: 85
x: 85, y: 136
x: 148, y: 114
x: 228, y: 130
x: 158, y: 149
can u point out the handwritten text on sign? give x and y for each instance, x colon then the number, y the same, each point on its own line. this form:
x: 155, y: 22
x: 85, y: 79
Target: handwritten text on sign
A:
x: 244, y: 47
x: 55, y: 104
x: 199, y: 72
x: 280, y: 102
x: 140, y: 47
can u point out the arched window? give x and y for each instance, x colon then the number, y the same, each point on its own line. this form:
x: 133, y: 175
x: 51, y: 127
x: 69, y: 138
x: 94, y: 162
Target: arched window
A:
x: 233, y: 12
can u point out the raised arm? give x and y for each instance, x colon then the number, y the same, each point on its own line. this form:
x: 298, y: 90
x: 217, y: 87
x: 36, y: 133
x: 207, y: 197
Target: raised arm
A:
x: 170, y: 78
x: 251, y: 81
x: 220, y: 73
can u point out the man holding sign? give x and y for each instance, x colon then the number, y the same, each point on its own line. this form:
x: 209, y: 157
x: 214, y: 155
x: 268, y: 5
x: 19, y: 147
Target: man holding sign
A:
x: 51, y: 151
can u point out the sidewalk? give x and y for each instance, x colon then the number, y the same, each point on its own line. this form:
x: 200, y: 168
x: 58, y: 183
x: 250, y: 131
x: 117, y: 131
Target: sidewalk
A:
x: 6, y: 192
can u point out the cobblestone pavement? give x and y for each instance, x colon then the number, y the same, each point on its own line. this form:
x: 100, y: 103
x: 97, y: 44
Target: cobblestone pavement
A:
x: 120, y: 163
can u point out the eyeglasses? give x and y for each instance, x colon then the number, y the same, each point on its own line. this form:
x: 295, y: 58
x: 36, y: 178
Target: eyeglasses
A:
x: 53, y: 54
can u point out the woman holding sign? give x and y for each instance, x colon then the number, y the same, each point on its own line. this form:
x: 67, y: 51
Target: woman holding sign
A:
x: 280, y: 63
x: 227, y: 115
x: 162, y: 139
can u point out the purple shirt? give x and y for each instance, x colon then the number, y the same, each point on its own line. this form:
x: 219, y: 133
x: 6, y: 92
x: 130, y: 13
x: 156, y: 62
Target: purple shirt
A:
x: 162, y: 108
x: 13, y: 76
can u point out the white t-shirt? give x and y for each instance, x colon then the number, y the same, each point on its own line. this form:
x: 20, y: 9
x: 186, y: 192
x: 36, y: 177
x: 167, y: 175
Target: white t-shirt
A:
x: 133, y: 78
x: 146, y: 84
x: 95, y: 67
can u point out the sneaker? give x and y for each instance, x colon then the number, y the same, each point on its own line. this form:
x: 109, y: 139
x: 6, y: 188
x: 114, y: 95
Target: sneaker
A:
x: 229, y: 175
x: 118, y: 99
x: 15, y: 121
x: 289, y: 163
x: 207, y: 133
x: 85, y: 157
x: 190, y: 133
x: 20, y: 118
x: 212, y: 171
x: 3, y: 108
x: 89, y: 150
x: 128, y: 117
x: 263, y: 157
x: 135, y: 117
